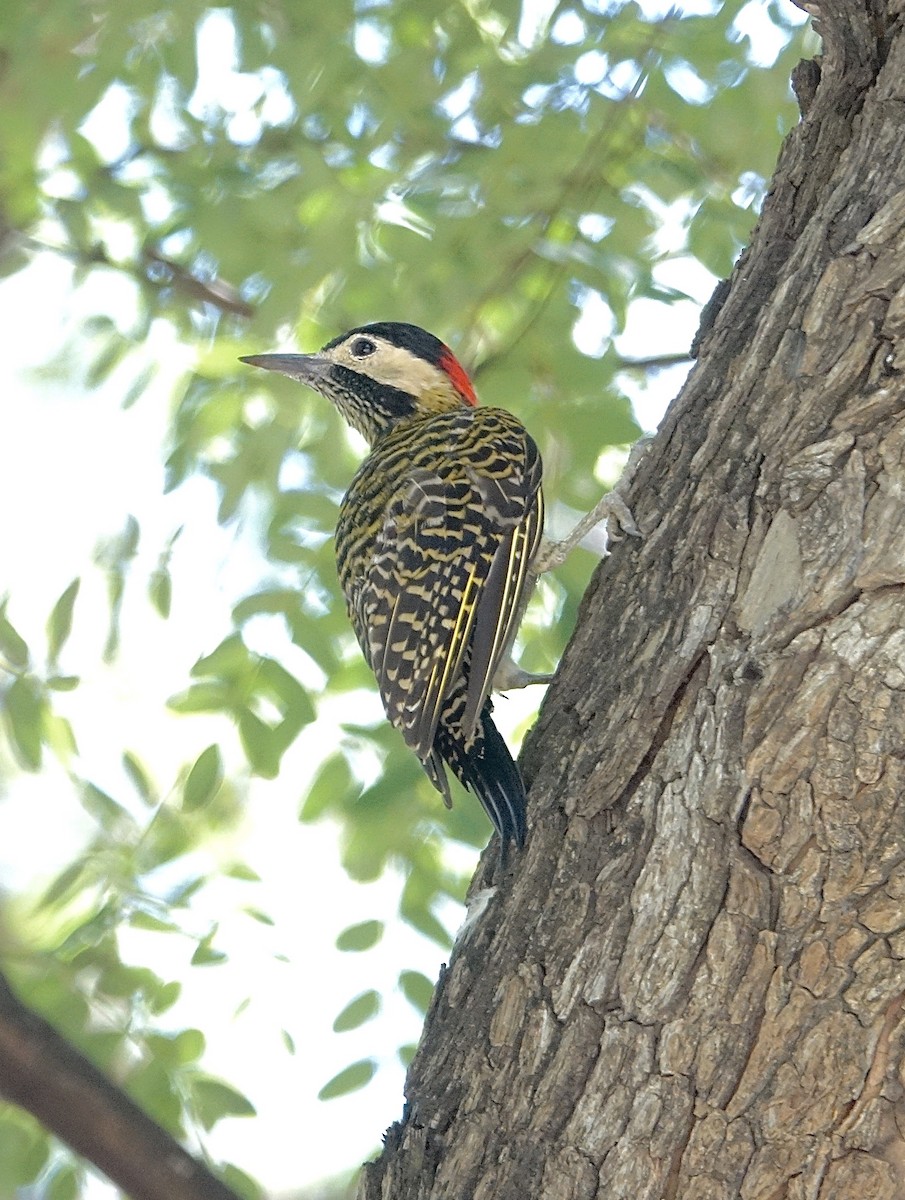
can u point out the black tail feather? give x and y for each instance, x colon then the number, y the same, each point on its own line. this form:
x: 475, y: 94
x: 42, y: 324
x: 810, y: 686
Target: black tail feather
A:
x: 488, y: 770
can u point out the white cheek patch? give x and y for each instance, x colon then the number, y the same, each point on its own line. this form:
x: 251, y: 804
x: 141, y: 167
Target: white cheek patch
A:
x: 394, y: 366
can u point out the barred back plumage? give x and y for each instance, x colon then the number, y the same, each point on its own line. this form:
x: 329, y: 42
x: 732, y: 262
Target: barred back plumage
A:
x: 434, y: 545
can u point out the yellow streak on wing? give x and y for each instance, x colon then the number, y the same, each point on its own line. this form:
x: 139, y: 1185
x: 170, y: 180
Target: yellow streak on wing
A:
x: 522, y: 549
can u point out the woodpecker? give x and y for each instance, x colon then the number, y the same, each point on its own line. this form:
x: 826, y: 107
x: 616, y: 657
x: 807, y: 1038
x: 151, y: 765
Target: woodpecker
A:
x: 434, y: 546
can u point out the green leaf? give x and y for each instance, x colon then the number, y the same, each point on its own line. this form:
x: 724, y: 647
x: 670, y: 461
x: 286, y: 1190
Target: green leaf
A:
x: 109, y: 357
x: 24, y: 710
x: 138, y: 386
x: 12, y: 646
x: 240, y: 1183
x: 59, y: 736
x: 24, y: 1150
x: 417, y: 989
x: 164, y: 997
x: 127, y: 545
x: 201, y: 697
x: 139, y: 777
x: 352, y: 1079
x: 176, y: 1049
x: 215, y: 1100
x: 357, y: 1012
x: 230, y: 660
x: 59, y: 625
x: 105, y: 810
x: 360, y: 937
x: 262, y: 748
x: 153, y: 924
x: 178, y: 896
x: 242, y: 871
x: 203, y: 780
x: 205, y: 955
x: 248, y: 685
x: 406, y: 1053
x: 153, y: 1085
x: 425, y: 922
x: 160, y: 590
x: 330, y: 785
x: 288, y: 694
x: 258, y: 915
x: 421, y: 888
x: 63, y: 683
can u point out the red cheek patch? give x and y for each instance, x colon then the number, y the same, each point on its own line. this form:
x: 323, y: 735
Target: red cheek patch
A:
x: 458, y: 375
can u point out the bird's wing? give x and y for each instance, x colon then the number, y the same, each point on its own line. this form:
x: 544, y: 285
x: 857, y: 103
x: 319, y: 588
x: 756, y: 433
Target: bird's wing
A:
x: 448, y: 571
x: 500, y: 604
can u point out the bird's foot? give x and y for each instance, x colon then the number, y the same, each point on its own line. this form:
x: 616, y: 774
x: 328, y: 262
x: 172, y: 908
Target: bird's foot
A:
x: 611, y: 508
x: 509, y: 676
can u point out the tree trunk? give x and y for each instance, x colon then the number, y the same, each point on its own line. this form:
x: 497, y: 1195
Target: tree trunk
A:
x: 691, y: 984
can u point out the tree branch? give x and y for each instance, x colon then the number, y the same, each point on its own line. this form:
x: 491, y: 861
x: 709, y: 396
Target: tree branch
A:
x: 165, y: 272
x: 45, y: 1075
x: 656, y: 362
x: 154, y: 270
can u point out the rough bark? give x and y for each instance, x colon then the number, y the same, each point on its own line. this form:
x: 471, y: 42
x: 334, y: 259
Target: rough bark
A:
x: 692, y: 984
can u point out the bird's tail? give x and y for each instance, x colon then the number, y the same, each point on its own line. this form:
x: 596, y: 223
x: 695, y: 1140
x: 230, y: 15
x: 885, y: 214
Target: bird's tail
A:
x: 487, y: 769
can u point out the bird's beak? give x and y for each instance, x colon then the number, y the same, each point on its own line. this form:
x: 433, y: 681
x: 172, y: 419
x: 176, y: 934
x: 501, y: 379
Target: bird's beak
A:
x: 306, y: 368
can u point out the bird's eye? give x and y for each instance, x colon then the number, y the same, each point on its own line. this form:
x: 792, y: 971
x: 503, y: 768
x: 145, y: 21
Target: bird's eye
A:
x: 362, y: 347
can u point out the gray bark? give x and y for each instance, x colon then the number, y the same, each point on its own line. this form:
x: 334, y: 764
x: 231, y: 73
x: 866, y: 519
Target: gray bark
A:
x: 692, y: 983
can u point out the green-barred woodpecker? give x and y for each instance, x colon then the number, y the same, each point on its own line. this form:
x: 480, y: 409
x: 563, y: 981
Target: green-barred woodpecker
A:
x: 434, y: 546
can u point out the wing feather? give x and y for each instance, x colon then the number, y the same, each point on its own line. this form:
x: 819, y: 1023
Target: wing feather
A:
x: 500, y: 608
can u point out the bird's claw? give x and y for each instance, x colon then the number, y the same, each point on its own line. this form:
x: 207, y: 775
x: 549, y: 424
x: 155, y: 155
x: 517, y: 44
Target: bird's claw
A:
x: 609, y: 507
x: 509, y: 676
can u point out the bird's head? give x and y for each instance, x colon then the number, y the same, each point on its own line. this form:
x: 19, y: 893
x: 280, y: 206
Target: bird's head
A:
x: 378, y: 375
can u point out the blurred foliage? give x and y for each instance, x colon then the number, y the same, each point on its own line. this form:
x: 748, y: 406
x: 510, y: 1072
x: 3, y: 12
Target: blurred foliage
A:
x: 270, y: 174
